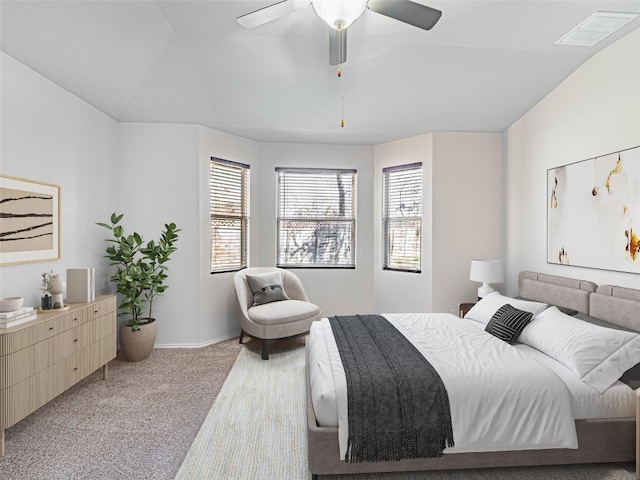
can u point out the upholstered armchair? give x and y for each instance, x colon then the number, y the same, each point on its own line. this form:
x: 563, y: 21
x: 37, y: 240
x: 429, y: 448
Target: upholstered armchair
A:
x: 269, y: 311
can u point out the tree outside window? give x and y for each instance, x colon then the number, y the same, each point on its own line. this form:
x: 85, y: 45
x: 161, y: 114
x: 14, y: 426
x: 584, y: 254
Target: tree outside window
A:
x: 402, y: 217
x: 316, y: 218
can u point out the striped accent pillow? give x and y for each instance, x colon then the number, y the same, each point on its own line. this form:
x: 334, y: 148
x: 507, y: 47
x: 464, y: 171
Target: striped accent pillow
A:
x: 507, y: 323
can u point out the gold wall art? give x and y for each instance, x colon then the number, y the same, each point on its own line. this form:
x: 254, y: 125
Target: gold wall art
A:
x: 29, y: 221
x: 593, y: 212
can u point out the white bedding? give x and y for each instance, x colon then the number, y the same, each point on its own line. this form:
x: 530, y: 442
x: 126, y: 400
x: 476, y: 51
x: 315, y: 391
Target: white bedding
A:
x: 501, y: 397
x: 618, y: 401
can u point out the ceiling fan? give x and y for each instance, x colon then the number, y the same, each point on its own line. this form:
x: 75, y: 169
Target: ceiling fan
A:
x: 339, y: 14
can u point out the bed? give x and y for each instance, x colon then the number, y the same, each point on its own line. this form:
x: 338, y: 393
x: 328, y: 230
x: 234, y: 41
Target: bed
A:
x: 598, y: 439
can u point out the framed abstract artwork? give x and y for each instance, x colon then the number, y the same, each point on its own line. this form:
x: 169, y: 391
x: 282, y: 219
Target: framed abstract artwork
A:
x: 29, y: 221
x: 593, y: 212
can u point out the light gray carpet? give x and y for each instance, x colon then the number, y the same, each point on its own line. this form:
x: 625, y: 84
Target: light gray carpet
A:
x: 256, y: 430
x: 139, y: 424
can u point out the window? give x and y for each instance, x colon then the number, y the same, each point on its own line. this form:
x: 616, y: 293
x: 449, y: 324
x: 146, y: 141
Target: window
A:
x: 402, y: 217
x: 316, y: 223
x: 229, y: 192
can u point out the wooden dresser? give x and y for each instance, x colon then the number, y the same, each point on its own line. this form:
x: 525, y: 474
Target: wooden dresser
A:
x: 42, y: 358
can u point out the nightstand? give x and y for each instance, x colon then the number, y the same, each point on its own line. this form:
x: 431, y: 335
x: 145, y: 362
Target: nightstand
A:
x: 463, y: 308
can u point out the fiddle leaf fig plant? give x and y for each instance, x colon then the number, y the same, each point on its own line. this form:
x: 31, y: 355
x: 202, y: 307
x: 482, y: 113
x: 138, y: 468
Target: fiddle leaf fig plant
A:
x: 141, y: 267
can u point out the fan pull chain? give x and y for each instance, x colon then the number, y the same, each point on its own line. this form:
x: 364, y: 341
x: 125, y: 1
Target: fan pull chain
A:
x: 340, y: 56
x: 341, y: 99
x: 340, y: 76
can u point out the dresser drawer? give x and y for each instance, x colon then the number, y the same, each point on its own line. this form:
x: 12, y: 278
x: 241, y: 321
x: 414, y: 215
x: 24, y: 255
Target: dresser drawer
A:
x: 71, y: 341
x: 25, y: 397
x: 26, y: 362
x: 27, y: 335
x: 104, y: 307
x: 72, y: 319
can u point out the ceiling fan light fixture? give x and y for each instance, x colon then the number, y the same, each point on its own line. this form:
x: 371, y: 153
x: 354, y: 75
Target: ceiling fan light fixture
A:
x: 339, y: 14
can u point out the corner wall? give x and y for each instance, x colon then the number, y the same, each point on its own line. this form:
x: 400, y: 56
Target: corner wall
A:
x: 50, y: 135
x: 158, y: 167
x: 594, y: 112
x: 405, y: 292
x: 218, y: 318
x: 467, y: 212
x: 462, y: 202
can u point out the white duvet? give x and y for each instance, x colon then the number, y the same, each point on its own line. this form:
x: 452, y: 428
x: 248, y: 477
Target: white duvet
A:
x: 500, y: 398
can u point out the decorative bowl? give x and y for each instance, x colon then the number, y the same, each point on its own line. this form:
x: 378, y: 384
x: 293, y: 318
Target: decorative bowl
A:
x: 9, y: 304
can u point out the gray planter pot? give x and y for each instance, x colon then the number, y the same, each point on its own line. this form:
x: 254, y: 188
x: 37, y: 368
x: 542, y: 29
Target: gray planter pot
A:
x: 136, y: 345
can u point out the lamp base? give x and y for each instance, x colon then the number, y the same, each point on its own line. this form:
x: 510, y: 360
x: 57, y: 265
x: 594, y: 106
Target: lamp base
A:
x: 484, y: 290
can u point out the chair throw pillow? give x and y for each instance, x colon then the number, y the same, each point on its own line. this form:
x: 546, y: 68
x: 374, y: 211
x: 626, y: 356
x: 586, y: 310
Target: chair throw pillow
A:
x: 507, y: 323
x: 266, y: 288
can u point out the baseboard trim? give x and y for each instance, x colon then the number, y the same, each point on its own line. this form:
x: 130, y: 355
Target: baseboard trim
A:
x: 197, y: 345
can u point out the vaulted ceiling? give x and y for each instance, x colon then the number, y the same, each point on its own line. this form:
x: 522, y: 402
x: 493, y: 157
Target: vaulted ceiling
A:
x: 479, y: 69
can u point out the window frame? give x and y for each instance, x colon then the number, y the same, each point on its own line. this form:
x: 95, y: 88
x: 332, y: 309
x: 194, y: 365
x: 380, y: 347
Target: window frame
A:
x: 388, y: 220
x: 243, y: 215
x: 282, y: 206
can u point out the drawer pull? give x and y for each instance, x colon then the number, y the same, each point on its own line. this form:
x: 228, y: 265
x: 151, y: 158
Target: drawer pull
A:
x: 50, y: 328
x: 75, y: 340
x: 75, y: 369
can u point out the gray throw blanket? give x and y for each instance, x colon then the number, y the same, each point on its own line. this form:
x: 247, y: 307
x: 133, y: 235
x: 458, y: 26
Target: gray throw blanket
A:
x: 398, y: 405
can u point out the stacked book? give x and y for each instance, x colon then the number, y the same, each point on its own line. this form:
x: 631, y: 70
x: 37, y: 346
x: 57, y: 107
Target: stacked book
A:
x: 16, y: 317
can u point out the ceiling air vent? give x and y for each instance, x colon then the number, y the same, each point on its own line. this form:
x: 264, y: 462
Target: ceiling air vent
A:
x: 596, y: 28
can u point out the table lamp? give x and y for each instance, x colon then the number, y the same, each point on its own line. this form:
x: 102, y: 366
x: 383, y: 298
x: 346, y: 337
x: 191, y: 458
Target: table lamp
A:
x: 486, y: 271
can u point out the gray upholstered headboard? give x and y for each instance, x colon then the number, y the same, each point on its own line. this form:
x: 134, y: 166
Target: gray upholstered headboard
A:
x: 554, y: 290
x: 617, y: 305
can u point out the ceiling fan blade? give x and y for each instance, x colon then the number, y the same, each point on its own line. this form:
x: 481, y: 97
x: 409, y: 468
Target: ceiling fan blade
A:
x: 406, y: 11
x: 337, y: 46
x: 270, y: 13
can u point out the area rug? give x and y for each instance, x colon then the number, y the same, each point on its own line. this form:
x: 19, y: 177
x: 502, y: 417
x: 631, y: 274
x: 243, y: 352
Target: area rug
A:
x: 256, y: 430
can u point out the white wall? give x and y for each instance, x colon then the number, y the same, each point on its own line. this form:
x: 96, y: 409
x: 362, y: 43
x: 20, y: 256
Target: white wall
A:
x: 49, y: 135
x: 594, y: 112
x: 467, y: 212
x: 404, y: 291
x: 218, y: 316
x: 157, y: 184
x: 462, y: 190
x: 336, y: 291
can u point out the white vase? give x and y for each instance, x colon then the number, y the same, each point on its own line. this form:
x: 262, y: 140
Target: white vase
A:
x: 58, y: 286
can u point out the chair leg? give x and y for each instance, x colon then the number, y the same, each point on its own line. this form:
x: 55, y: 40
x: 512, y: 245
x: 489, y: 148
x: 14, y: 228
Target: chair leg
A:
x: 266, y: 346
x: 241, y: 335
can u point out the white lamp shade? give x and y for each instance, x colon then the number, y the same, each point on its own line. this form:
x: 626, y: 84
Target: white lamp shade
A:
x: 339, y: 14
x: 486, y: 271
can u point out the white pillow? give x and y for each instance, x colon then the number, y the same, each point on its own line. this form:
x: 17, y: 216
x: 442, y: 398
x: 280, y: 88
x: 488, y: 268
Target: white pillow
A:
x: 597, y: 355
x: 485, y: 308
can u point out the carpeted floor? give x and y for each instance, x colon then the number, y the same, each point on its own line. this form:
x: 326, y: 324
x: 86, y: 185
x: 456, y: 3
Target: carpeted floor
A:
x: 256, y: 430
x: 139, y: 424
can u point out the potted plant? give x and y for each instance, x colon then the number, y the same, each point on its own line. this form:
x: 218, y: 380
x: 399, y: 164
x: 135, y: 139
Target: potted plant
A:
x: 140, y: 276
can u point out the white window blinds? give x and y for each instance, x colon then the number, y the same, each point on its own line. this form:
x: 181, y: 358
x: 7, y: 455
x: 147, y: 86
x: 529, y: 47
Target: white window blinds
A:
x: 402, y: 217
x: 229, y: 194
x: 316, y: 221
